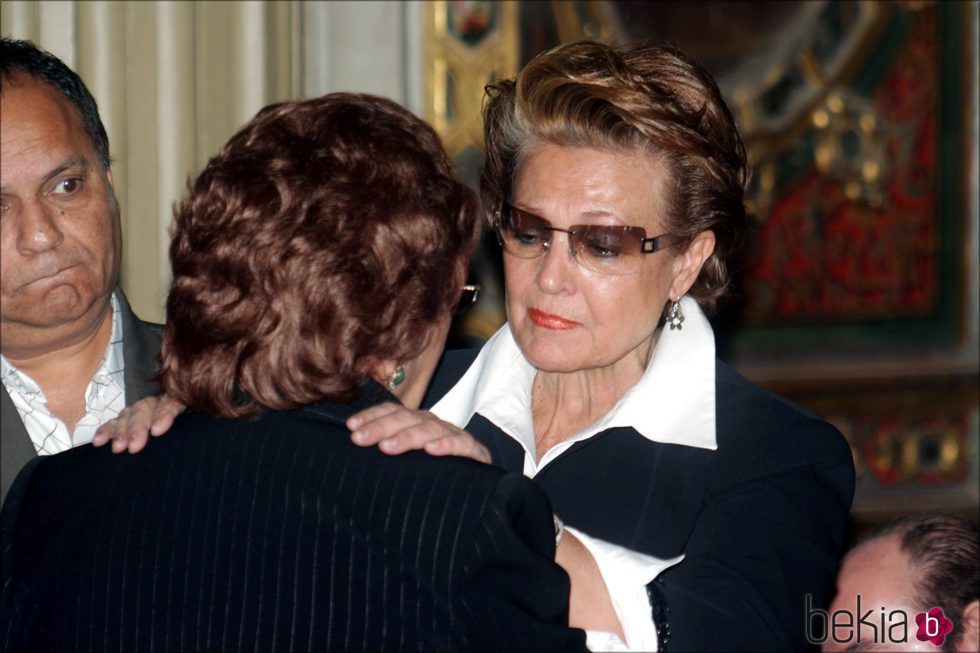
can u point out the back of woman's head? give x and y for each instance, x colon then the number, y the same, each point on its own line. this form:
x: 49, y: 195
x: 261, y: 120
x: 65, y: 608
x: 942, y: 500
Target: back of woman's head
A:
x: 327, y: 235
x: 647, y: 100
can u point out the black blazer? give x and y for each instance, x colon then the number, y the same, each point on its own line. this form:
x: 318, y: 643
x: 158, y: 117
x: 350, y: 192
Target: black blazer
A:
x: 760, y: 520
x: 277, y: 534
x: 141, y: 345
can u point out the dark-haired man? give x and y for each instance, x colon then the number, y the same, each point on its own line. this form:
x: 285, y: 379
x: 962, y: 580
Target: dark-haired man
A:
x: 913, y: 585
x: 73, y: 353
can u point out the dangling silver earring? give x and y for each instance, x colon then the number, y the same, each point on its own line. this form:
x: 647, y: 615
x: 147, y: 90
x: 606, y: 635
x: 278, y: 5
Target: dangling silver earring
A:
x: 674, y: 316
x: 396, y: 378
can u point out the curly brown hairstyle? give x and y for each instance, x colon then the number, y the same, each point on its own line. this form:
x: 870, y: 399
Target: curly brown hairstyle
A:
x: 327, y: 235
x: 655, y: 101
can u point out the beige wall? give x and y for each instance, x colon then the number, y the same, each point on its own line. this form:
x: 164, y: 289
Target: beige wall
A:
x: 173, y: 81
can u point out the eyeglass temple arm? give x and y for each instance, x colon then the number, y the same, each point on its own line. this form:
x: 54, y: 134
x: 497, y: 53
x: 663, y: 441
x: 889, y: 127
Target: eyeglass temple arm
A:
x: 474, y: 288
x: 651, y: 245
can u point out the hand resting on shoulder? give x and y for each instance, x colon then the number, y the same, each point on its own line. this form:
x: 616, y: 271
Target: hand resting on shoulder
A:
x: 131, y: 430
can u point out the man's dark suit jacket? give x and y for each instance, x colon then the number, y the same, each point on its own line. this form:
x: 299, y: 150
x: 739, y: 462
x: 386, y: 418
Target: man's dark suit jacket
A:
x: 760, y: 520
x: 278, y: 534
x: 141, y: 345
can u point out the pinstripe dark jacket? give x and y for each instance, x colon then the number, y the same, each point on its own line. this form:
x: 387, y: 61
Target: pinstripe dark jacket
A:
x: 277, y: 534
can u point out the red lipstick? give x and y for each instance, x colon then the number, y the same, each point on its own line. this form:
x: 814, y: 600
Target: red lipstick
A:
x: 549, y: 321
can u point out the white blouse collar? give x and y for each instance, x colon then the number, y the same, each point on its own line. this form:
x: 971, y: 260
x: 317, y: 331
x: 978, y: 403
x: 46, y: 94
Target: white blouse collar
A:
x: 672, y: 403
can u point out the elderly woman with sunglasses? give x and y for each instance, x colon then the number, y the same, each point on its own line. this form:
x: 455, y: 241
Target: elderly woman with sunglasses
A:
x: 614, y: 181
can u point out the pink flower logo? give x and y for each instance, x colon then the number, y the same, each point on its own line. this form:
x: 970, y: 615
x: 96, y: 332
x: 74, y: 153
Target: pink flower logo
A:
x: 933, y: 626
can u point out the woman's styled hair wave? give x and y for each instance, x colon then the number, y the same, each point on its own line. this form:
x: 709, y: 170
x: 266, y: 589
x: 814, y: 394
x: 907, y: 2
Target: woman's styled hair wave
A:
x: 327, y: 235
x: 648, y: 100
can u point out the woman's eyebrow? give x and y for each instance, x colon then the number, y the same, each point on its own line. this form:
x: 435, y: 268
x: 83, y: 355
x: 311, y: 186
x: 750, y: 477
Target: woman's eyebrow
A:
x: 530, y: 212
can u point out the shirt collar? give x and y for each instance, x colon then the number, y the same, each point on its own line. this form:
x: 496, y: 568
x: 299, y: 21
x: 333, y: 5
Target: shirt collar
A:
x: 672, y: 403
x: 15, y: 380
x: 112, y: 366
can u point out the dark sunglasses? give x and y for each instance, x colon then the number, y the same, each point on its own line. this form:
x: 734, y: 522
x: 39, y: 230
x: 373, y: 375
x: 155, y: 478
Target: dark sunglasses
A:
x: 606, y: 249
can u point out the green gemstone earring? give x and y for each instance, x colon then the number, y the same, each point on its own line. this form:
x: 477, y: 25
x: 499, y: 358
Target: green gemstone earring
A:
x: 396, y: 378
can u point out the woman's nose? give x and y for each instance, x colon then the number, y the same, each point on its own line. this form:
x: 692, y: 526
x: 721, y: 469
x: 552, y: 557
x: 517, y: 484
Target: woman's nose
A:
x: 557, y: 264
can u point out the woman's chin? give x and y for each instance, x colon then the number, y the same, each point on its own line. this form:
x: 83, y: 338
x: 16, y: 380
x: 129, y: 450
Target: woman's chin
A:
x: 554, y: 359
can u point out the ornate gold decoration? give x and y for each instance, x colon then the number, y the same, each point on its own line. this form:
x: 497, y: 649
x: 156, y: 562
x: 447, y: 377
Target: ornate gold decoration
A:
x: 580, y: 20
x: 850, y: 145
x: 469, y: 43
x: 803, y: 91
x: 907, y: 452
x: 908, y: 449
